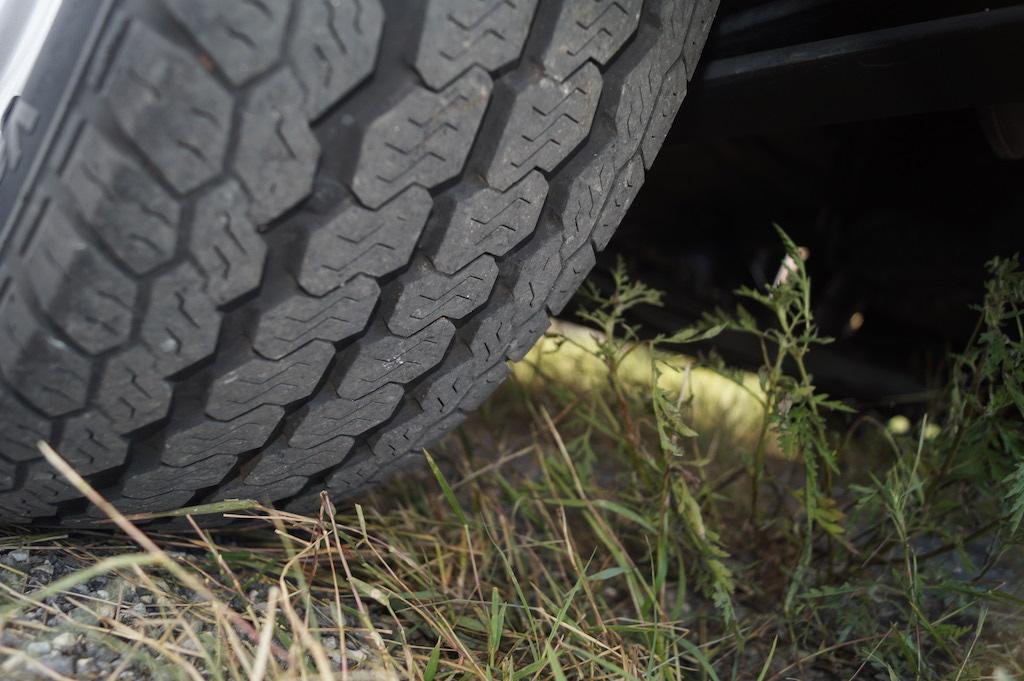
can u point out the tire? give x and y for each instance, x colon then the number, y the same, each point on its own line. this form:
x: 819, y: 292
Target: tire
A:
x: 270, y: 249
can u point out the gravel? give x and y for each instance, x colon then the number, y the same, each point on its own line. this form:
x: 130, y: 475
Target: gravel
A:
x: 40, y: 643
x: 48, y: 641
x: 64, y: 642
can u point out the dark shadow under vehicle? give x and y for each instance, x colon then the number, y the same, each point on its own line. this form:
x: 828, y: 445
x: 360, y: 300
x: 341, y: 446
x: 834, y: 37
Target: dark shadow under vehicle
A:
x: 885, y: 140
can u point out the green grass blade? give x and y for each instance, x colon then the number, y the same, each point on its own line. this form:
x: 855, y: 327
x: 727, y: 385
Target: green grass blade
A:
x: 446, y: 489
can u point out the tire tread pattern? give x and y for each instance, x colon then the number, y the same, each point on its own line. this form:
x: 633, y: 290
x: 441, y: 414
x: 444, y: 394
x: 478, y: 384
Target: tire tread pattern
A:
x: 154, y: 334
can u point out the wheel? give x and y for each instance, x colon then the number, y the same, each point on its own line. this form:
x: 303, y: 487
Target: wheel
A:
x: 256, y: 249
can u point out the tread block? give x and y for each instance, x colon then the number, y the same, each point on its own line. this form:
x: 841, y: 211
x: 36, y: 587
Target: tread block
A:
x: 244, y: 38
x: 27, y: 502
x: 433, y: 433
x: 225, y: 244
x: 90, y: 444
x: 362, y: 465
x: 490, y: 335
x: 590, y: 29
x: 637, y: 98
x: 423, y: 140
x: 174, y: 111
x: 272, y: 465
x: 393, y: 359
x: 490, y: 222
x: 484, y: 386
x: 360, y: 241
x: 20, y: 429
x: 406, y: 440
x: 530, y: 330
x: 575, y: 271
x: 261, y: 381
x: 162, y: 479
x: 698, y: 27
x: 159, y: 501
x: 82, y: 292
x: 674, y: 17
x: 338, y: 49
x: 277, y: 159
x: 673, y: 89
x: 132, y: 391
x: 51, y: 487
x: 128, y: 210
x: 438, y: 397
x: 182, y: 325
x: 291, y: 324
x: 45, y: 370
x: 625, y: 189
x: 585, y: 198
x: 343, y: 416
x: 535, y: 275
x: 279, y: 488
x: 246, y: 433
x: 549, y: 120
x: 458, y: 34
x: 427, y: 295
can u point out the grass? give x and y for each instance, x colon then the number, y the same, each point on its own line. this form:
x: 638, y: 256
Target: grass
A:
x: 617, y: 511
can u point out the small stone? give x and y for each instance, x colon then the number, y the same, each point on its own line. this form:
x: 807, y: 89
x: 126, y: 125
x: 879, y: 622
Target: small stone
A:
x: 18, y: 556
x: 146, y: 598
x: 330, y: 642
x: 105, y: 610
x: 83, y: 616
x: 84, y: 665
x: 38, y: 648
x: 102, y: 594
x: 46, y: 568
x: 10, y: 639
x: 65, y: 641
x: 60, y: 664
